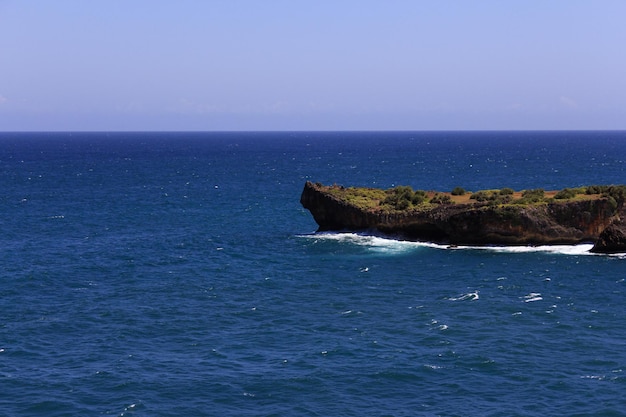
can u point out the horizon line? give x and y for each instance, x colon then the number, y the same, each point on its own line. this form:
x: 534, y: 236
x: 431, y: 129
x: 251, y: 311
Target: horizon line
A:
x: 309, y: 131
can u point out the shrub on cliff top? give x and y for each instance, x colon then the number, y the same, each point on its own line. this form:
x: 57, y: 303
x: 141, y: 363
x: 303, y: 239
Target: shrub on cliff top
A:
x: 617, y: 192
x: 596, y: 189
x: 364, y: 198
x: 419, y: 197
x: 458, y: 191
x: 493, y: 197
x: 536, y: 195
x: 399, y: 197
x: 480, y: 196
x: 441, y: 199
x: 564, y: 194
x: 403, y: 197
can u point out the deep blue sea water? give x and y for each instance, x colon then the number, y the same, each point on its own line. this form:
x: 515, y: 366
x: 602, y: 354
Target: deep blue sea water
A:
x: 176, y: 274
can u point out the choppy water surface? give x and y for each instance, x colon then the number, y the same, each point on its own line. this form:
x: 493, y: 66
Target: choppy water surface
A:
x: 176, y: 274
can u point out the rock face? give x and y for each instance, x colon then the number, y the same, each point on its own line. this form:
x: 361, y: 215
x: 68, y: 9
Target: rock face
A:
x: 612, y: 239
x: 559, y: 222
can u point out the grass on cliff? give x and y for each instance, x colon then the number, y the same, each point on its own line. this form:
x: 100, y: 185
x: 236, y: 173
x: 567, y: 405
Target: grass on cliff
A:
x: 364, y: 198
x: 405, y: 198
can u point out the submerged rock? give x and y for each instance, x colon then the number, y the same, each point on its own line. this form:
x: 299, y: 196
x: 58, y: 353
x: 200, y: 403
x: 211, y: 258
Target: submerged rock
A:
x: 471, y: 223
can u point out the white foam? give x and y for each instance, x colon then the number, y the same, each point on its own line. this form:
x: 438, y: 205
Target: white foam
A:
x: 533, y: 296
x: 372, y: 243
x: 395, y: 246
x: 472, y: 296
x: 582, y: 249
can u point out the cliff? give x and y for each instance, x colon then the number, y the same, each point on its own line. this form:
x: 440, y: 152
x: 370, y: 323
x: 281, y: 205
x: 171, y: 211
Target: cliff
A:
x: 440, y: 220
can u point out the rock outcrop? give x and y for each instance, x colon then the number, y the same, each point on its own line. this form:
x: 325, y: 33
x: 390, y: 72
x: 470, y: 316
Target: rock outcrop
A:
x: 612, y: 239
x: 473, y: 223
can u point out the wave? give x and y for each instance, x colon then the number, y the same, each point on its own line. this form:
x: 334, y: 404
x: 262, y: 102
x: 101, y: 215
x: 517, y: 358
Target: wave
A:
x: 370, y: 242
x: 532, y: 297
x: 388, y: 245
x: 471, y: 296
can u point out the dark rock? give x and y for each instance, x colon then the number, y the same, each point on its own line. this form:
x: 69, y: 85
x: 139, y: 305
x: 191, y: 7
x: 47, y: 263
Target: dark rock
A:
x: 612, y: 239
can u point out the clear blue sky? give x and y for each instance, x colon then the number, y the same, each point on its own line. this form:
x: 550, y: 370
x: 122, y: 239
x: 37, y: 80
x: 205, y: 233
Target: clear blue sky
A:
x: 312, y: 65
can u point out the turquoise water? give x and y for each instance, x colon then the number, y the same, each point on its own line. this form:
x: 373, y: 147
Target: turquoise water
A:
x: 177, y: 274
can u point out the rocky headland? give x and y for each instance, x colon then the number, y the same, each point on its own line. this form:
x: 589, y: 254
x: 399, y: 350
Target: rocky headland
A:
x: 491, y: 217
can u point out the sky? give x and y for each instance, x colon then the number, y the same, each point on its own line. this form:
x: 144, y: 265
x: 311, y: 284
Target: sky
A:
x: 214, y: 65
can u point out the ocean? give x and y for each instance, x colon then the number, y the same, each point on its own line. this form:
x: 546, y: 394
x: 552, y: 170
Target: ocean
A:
x: 176, y: 274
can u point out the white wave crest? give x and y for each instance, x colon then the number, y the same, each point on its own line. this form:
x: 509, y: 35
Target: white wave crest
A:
x: 472, y: 296
x: 582, y: 249
x: 533, y: 296
x: 394, y: 246
x: 370, y: 242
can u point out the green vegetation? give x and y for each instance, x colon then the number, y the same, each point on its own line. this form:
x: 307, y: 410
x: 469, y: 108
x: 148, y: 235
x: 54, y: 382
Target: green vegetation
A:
x: 364, y: 198
x: 616, y: 194
x: 494, y: 197
x: 565, y: 194
x: 405, y: 198
x: 419, y: 197
x: 481, y: 196
x: 439, y: 198
x: 533, y: 196
x: 597, y: 189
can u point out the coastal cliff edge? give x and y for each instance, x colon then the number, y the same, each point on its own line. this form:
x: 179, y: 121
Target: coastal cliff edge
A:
x: 436, y: 217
